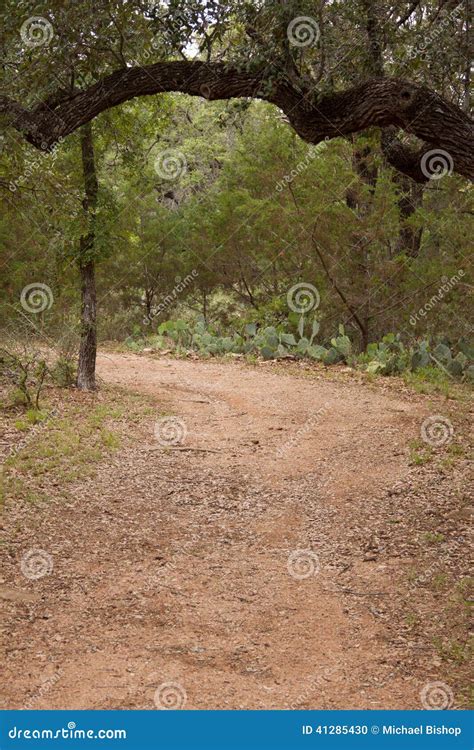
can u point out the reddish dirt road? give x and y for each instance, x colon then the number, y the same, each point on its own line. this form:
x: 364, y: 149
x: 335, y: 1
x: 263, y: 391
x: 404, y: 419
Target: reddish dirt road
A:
x: 249, y: 566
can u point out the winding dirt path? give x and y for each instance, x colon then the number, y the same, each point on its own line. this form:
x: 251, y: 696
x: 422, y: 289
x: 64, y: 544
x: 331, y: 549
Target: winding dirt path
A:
x: 248, y: 571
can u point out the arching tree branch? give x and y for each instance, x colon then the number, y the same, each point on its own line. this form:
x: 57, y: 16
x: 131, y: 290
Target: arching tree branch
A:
x: 380, y: 102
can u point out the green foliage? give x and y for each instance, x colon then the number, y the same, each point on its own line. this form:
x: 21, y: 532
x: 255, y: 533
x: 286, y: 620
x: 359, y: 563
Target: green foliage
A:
x: 63, y: 372
x: 390, y: 357
x: 420, y: 453
x: 231, y: 218
x: 387, y: 357
x: 256, y: 208
x: 24, y: 370
x: 341, y: 349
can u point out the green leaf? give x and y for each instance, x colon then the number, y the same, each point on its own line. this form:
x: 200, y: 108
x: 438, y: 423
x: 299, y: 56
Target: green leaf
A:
x: 301, y: 326
x: 272, y: 340
x: 455, y: 368
x: 316, y: 352
x: 314, y: 330
x: 467, y: 348
x: 343, y: 345
x: 303, y: 344
x: 333, y: 357
x: 442, y: 353
x: 469, y: 373
x: 266, y: 352
x: 420, y: 359
x: 462, y: 359
x: 270, y: 331
x: 375, y: 366
x: 294, y: 318
x: 282, y: 352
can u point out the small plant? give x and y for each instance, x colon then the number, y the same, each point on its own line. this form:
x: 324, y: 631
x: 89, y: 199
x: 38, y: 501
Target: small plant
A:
x: 440, y: 581
x: 341, y: 349
x: 421, y: 362
x: 411, y: 620
x: 31, y: 418
x: 63, y: 372
x: 432, y: 537
x: 452, y: 650
x: 389, y: 357
x: 420, y: 453
x: 26, y: 370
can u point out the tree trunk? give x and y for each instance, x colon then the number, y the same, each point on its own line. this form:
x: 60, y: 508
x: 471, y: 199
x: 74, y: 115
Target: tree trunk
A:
x: 88, y: 347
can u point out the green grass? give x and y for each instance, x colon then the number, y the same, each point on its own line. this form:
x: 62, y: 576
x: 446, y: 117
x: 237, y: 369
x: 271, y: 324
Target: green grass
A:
x: 434, y: 381
x: 432, y: 537
x: 420, y: 453
x: 440, y: 581
x: 411, y: 619
x: 455, y: 651
x: 31, y: 417
x: 455, y: 451
x: 59, y: 450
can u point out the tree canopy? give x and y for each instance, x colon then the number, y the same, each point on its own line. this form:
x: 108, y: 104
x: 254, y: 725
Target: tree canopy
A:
x: 197, y: 160
x: 334, y: 69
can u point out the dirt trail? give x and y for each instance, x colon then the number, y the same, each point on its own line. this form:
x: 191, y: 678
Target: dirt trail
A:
x: 246, y: 573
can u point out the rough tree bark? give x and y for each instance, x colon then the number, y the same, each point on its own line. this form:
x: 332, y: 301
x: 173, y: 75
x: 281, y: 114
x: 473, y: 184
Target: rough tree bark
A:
x: 86, y: 263
x: 379, y: 101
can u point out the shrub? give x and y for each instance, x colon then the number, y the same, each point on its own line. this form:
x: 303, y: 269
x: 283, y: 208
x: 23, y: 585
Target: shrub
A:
x: 295, y: 338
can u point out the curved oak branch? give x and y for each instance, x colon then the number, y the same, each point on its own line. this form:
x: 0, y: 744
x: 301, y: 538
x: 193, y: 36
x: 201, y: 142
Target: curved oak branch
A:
x: 380, y: 102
